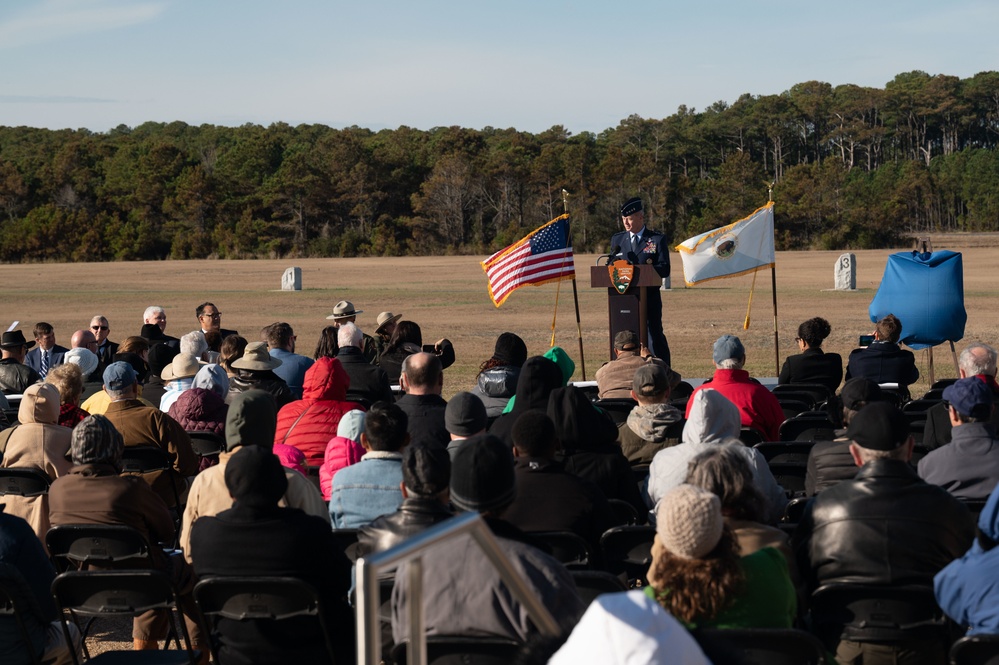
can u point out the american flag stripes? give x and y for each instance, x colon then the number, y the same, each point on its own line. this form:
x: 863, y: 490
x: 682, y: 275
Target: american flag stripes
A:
x: 542, y: 256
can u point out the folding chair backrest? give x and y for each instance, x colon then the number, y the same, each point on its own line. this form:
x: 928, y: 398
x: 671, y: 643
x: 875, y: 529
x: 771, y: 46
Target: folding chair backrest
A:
x: 100, y: 592
x: 793, y: 407
x: 85, y: 545
x: 206, y: 443
x: 593, y: 583
x: 145, y: 459
x: 765, y: 646
x: 807, y: 428
x: 244, y: 598
x: 920, y: 405
x: 785, y: 452
x: 617, y: 409
x: 975, y: 650
x: 818, y: 392
x: 868, y: 613
x: 628, y: 549
x: 23, y: 482
x: 568, y: 548
x: 447, y: 650
x: 750, y: 436
x: 623, y: 511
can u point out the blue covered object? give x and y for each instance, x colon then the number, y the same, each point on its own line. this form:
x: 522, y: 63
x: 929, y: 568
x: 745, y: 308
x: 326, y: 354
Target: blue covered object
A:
x: 926, y: 292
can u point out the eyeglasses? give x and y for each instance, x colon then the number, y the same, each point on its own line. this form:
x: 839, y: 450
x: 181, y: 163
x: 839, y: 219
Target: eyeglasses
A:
x: 216, y: 315
x: 100, y: 328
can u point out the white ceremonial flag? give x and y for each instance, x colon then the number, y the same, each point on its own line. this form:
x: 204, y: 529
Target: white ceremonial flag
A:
x: 737, y: 249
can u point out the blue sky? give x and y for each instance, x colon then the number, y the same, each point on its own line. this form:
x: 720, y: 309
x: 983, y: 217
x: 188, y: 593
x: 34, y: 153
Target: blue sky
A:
x: 585, y: 65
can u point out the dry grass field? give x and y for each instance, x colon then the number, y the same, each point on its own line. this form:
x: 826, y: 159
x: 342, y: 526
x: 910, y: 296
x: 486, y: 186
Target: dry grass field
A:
x: 447, y: 297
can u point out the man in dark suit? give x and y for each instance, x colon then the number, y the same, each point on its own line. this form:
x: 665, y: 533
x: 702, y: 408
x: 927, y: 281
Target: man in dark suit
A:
x: 883, y: 361
x: 640, y: 245
x: 210, y: 319
x: 47, y: 354
x: 106, y: 349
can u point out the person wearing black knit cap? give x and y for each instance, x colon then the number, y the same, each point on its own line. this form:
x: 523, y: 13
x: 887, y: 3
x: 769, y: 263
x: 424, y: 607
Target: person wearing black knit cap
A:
x: 496, y: 381
x: 469, y: 598
x: 256, y: 537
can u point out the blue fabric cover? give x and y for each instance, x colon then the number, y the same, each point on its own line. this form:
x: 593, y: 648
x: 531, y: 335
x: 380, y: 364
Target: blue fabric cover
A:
x: 926, y: 292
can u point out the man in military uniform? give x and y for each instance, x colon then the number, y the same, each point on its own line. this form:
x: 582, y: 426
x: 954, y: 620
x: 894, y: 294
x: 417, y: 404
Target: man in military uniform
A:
x: 640, y: 245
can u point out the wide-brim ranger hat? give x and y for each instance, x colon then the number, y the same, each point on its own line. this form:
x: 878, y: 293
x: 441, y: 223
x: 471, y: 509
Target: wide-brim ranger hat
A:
x: 256, y: 358
x: 343, y: 310
x: 384, y: 319
x: 14, y: 338
x: 183, y: 366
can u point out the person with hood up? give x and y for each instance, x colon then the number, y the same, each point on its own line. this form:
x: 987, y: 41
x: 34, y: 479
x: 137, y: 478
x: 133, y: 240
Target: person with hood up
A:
x: 273, y: 540
x: 342, y: 450
x: 588, y: 444
x: 251, y: 421
x: 713, y: 421
x: 538, y: 378
x: 967, y: 589
x: 496, y: 381
x: 309, y: 423
x: 565, y: 364
x: 651, y: 425
x: 37, y: 443
x: 255, y: 370
x: 202, y: 408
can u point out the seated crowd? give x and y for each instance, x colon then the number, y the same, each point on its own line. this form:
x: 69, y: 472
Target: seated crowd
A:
x: 272, y: 461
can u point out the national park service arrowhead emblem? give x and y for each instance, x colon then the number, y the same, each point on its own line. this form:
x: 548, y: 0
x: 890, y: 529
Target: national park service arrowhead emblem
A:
x: 621, y: 274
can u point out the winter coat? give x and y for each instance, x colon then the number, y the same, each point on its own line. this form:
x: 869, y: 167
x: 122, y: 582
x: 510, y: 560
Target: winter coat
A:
x: 308, y: 424
x: 200, y: 410
x: 495, y: 386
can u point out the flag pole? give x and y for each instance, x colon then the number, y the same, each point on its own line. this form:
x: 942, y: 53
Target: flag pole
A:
x: 575, y: 293
x: 773, y: 286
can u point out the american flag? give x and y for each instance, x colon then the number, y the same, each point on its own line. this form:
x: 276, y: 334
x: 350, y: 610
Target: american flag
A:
x: 542, y: 256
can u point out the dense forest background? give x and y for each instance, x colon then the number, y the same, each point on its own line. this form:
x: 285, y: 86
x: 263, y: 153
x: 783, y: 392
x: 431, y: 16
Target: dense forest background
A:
x: 852, y: 166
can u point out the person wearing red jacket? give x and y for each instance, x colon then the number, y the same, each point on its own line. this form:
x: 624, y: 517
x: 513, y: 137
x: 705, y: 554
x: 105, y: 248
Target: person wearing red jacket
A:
x: 309, y: 423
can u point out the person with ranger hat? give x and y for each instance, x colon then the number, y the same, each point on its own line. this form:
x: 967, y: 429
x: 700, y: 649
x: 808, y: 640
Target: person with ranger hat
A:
x: 343, y: 312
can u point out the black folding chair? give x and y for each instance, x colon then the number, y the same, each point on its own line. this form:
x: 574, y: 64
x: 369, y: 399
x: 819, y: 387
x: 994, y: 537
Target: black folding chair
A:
x: 593, y: 583
x: 872, y: 613
x: 785, y: 452
x: 448, y: 650
x: 817, y: 392
x: 921, y: 405
x: 766, y: 646
x: 105, y: 593
x: 617, y: 408
x: 627, y: 550
x: 81, y: 546
x: 624, y: 512
x: 15, y: 599
x: 570, y: 549
x: 793, y: 407
x: 23, y: 482
x: 346, y: 541
x: 259, y: 598
x: 142, y: 460
x: 750, y: 436
x: 206, y: 443
x: 975, y: 650
x: 807, y: 428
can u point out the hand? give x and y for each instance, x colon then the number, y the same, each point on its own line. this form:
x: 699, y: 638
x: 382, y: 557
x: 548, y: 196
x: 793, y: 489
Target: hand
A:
x: 644, y: 352
x: 438, y: 345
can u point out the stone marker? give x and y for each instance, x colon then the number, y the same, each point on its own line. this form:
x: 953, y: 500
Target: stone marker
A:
x: 291, y: 280
x: 845, y: 273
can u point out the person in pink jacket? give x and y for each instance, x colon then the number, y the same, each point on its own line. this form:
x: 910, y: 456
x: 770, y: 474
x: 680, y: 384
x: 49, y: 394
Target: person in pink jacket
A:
x: 309, y: 423
x: 343, y: 449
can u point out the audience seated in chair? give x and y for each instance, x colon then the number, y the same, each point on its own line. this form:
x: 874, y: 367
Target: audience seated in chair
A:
x: 650, y: 426
x: 812, y: 365
x: 496, y: 381
x: 469, y: 597
x: 712, y: 421
x: 885, y: 527
x: 273, y: 541
x: 250, y: 421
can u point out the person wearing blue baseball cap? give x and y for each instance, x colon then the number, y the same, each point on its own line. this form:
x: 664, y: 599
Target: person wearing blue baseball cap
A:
x: 968, y: 466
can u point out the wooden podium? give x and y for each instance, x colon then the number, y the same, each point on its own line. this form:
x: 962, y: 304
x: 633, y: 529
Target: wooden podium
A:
x: 628, y: 310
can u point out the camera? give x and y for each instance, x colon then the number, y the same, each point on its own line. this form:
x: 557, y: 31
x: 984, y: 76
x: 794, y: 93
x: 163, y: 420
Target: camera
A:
x: 865, y: 340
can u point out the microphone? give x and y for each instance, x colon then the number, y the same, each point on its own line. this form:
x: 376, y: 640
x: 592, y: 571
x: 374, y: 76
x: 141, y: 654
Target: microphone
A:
x: 613, y: 252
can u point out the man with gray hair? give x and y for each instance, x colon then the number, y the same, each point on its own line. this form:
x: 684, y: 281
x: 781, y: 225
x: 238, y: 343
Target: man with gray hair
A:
x: 885, y: 527
x: 368, y: 383
x: 978, y: 360
x: 156, y: 316
x: 281, y: 340
x: 194, y: 343
x: 757, y: 406
x: 967, y: 467
x: 106, y: 349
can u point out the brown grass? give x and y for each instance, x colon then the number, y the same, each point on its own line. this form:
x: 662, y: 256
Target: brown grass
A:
x: 447, y: 297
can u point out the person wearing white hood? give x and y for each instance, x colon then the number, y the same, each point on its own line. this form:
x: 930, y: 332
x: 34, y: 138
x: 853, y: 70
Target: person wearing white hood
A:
x: 713, y: 420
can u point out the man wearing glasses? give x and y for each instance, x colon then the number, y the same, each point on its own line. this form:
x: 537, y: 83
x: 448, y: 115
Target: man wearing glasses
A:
x: 210, y: 319
x: 106, y: 349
